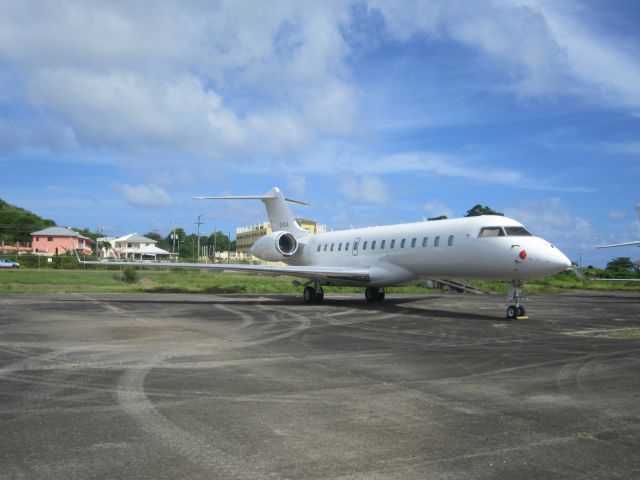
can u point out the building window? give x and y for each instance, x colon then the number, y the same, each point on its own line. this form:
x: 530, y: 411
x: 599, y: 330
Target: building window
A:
x: 402, y: 242
x: 413, y: 243
x: 450, y: 242
x: 393, y: 243
x: 382, y: 244
x: 424, y: 241
x: 49, y: 239
x: 436, y: 242
x: 373, y: 245
x: 37, y: 239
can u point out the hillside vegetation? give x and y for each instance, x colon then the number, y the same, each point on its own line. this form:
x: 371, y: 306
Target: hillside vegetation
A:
x: 16, y: 224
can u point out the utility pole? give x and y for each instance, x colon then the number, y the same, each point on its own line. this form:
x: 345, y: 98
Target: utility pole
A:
x: 215, y: 239
x: 199, y: 223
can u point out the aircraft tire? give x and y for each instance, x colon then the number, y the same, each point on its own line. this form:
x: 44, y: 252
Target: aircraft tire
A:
x: 319, y: 295
x: 309, y: 294
x: 370, y: 294
x: 512, y: 312
x: 380, y: 295
x: 521, y: 311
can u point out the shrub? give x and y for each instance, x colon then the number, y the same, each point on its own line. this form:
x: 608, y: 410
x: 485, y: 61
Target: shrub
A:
x: 129, y: 274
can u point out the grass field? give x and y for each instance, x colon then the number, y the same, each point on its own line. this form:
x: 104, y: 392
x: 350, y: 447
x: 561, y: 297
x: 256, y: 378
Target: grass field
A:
x: 198, y: 281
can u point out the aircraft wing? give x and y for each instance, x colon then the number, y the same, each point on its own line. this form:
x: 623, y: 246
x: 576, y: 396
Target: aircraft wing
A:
x: 361, y: 274
x: 627, y: 244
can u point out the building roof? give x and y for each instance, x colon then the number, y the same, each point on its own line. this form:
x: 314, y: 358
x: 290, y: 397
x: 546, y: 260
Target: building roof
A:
x: 135, y: 238
x: 59, y: 232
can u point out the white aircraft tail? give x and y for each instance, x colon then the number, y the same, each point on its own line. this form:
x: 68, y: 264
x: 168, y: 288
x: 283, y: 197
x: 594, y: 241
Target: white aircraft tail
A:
x: 280, y: 216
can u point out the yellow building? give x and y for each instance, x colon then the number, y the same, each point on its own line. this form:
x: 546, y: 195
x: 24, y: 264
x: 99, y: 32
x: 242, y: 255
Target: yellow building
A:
x: 247, y: 236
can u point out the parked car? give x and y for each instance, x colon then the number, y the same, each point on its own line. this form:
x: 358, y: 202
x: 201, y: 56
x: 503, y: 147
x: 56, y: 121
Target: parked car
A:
x: 8, y: 264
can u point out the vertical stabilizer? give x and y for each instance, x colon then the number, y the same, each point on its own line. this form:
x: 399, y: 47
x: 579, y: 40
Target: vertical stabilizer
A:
x: 280, y: 216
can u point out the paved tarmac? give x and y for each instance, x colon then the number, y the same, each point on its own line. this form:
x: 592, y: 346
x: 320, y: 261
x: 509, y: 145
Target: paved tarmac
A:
x: 266, y: 387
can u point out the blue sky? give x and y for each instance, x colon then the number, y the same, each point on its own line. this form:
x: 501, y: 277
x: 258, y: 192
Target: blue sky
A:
x: 115, y: 114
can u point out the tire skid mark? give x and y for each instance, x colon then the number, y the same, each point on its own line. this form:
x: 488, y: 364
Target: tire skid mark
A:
x: 133, y: 399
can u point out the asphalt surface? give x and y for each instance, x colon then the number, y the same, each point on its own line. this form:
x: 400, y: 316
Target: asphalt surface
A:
x: 241, y: 387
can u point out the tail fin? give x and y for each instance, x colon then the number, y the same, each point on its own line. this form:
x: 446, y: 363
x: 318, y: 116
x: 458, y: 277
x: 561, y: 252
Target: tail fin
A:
x: 278, y: 211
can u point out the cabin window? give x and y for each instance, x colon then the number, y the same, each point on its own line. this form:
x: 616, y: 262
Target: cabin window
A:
x: 402, y: 242
x: 436, y: 241
x: 424, y: 241
x: 331, y: 249
x: 340, y: 247
x: 319, y: 247
x: 518, y: 232
x: 492, y: 232
x: 413, y: 243
x: 382, y: 244
x: 346, y: 246
x: 450, y: 241
x: 373, y: 245
x: 393, y: 243
x: 364, y: 245
x: 325, y: 247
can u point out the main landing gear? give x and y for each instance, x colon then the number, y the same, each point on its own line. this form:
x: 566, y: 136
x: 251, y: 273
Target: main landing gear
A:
x: 373, y: 294
x: 515, y: 292
x: 313, y: 294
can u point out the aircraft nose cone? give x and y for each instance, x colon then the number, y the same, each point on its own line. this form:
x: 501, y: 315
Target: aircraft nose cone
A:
x: 559, y: 260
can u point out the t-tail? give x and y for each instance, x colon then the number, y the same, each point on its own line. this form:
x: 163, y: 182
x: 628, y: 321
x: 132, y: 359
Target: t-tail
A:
x: 280, y: 217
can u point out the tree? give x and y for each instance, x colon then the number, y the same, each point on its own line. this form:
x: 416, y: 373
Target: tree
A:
x: 153, y: 236
x: 219, y: 240
x: 481, y: 210
x: 621, y: 264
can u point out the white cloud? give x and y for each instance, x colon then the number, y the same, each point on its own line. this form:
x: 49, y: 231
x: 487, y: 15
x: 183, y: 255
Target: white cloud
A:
x: 144, y: 195
x: 552, y: 220
x: 435, y: 208
x: 369, y: 189
x: 617, y: 215
x: 547, y: 48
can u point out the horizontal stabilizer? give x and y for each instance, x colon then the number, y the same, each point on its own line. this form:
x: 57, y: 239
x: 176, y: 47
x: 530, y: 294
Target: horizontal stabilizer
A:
x: 250, y: 197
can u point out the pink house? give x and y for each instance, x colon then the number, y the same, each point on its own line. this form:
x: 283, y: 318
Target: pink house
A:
x: 59, y: 240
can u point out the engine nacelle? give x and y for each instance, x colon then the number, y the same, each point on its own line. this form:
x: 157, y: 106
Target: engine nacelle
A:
x: 275, y: 247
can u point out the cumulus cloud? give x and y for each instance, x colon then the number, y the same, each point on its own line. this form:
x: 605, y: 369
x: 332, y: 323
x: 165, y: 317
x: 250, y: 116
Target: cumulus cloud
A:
x: 544, y: 46
x: 368, y: 189
x: 144, y: 195
x: 435, y: 208
x: 551, y: 219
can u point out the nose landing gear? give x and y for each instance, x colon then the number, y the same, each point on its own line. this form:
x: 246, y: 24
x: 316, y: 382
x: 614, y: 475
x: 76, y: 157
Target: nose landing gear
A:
x: 516, y: 311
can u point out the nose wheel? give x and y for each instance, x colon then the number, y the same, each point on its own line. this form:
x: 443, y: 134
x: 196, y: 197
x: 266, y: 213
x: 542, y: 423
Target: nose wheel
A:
x: 516, y: 311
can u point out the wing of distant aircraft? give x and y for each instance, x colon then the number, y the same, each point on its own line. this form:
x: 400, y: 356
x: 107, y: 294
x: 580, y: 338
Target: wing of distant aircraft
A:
x: 625, y: 244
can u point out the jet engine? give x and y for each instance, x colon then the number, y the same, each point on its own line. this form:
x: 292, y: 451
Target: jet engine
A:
x: 275, y: 247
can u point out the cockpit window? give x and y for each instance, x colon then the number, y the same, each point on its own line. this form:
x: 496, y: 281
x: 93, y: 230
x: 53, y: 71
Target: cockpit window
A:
x: 492, y: 232
x: 518, y: 232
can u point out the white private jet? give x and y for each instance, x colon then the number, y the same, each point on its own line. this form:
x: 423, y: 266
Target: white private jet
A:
x: 485, y: 247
